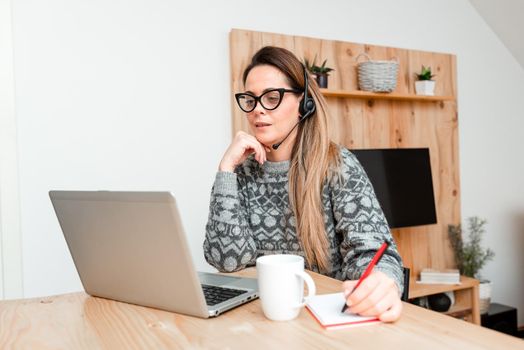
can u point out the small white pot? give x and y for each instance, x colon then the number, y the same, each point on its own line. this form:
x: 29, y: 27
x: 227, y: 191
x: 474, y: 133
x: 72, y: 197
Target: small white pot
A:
x: 484, y: 296
x: 425, y: 87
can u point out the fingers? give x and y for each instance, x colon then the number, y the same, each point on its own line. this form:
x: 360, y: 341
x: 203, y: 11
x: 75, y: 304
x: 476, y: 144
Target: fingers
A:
x: 377, y: 296
x: 251, y: 143
x: 347, y: 288
x: 360, y: 294
x: 379, y: 305
x: 242, y: 146
x: 393, y: 313
x: 371, y: 293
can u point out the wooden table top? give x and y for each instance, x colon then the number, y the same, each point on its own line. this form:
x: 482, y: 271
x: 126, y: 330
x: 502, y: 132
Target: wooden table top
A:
x: 79, y: 321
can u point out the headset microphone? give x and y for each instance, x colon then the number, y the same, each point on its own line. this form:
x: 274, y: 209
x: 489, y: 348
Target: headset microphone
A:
x: 306, y: 108
x: 277, y: 145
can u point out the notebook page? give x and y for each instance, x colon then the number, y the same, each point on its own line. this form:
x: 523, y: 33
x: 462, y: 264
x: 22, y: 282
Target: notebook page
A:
x: 326, y: 308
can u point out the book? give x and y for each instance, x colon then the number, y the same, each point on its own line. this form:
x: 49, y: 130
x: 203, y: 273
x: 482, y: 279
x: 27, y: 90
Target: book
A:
x: 325, y: 308
x: 447, y: 276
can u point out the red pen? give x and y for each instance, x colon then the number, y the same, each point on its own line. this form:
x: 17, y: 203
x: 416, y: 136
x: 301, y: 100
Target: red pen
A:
x: 374, y: 261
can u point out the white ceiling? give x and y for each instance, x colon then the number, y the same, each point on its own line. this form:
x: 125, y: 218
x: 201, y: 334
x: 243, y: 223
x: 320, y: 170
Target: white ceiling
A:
x: 505, y: 19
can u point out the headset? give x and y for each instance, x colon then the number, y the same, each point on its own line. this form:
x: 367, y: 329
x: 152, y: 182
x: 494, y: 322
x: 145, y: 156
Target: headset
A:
x: 306, y: 107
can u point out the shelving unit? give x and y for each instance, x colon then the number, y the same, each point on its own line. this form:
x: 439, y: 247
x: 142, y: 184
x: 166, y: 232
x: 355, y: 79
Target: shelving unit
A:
x: 383, y: 96
x: 466, y: 297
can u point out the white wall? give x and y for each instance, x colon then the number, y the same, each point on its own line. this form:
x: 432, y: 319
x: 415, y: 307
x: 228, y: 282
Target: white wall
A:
x: 135, y: 95
x: 10, y: 235
x: 505, y: 18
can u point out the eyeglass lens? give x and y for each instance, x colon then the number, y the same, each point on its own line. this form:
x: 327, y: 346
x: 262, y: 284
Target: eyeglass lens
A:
x: 269, y: 100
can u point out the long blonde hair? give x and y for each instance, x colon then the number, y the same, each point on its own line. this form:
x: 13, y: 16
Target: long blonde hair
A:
x: 312, y: 158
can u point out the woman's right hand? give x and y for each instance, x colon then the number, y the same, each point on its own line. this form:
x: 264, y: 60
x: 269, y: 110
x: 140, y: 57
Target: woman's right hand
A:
x: 242, y: 146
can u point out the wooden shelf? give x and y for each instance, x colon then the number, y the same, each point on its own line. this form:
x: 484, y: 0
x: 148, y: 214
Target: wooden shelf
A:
x: 466, y: 305
x: 458, y: 311
x: 419, y: 290
x: 383, y: 96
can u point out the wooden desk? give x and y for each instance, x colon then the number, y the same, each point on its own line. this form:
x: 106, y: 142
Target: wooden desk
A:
x: 78, y: 321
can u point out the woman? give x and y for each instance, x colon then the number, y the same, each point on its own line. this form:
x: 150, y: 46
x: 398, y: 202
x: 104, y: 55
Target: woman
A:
x: 288, y: 189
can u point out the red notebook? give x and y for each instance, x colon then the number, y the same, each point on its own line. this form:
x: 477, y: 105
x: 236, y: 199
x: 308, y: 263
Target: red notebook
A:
x: 325, y: 308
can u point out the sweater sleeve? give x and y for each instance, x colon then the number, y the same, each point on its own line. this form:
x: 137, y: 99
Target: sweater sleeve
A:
x: 229, y: 245
x: 361, y: 224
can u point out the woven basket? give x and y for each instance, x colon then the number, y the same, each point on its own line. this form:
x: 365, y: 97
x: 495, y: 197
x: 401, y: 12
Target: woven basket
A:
x: 377, y: 76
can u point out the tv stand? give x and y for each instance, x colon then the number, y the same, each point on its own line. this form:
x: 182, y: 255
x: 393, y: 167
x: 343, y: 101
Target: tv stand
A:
x: 466, y: 305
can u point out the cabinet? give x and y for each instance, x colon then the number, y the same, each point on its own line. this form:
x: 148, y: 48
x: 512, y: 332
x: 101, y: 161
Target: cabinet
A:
x: 501, y: 318
x: 466, y: 297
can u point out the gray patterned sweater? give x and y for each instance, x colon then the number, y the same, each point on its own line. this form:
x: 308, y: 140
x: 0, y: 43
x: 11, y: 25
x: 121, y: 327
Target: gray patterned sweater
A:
x: 250, y: 216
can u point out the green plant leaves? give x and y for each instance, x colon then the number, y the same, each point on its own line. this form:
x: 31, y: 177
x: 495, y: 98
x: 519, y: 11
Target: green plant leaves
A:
x: 313, y: 68
x: 470, y: 257
x: 425, y: 74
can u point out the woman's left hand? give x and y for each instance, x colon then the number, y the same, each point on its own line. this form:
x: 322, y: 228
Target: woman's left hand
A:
x: 377, y: 295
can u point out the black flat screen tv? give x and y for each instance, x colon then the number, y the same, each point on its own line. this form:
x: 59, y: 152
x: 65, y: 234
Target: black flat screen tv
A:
x: 402, y: 181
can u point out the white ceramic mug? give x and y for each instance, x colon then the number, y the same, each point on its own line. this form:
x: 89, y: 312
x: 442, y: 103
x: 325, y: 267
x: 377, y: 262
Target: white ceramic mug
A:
x: 281, y: 283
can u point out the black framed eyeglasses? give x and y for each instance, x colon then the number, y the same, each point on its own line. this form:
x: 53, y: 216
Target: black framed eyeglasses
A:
x: 270, y: 99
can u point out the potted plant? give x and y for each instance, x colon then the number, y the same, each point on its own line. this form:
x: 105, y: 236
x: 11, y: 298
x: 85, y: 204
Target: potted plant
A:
x: 424, y: 84
x: 471, y: 257
x: 321, y: 72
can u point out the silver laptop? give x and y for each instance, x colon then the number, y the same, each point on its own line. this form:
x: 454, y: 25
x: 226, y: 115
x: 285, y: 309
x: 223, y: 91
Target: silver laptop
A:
x: 131, y: 247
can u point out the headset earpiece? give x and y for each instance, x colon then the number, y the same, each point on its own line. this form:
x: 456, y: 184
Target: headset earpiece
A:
x: 306, y: 108
x: 307, y: 105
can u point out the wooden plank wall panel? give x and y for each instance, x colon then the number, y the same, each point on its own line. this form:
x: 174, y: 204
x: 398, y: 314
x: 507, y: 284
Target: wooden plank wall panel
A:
x: 361, y: 123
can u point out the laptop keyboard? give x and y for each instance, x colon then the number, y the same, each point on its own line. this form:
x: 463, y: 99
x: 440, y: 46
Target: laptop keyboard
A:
x: 215, y: 295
